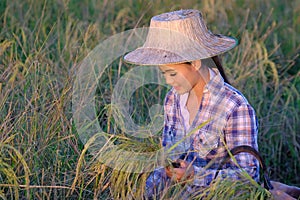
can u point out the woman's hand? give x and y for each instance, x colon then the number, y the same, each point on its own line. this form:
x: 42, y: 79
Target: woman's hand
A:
x: 185, y: 171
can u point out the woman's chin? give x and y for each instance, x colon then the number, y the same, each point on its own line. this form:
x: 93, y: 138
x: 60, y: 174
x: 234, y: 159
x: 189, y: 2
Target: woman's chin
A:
x: 180, y: 92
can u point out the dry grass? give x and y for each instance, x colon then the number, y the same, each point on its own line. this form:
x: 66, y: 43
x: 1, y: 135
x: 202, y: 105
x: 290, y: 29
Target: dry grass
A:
x: 41, y: 43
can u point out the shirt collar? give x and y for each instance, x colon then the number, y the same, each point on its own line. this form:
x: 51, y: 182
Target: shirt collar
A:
x: 216, y: 82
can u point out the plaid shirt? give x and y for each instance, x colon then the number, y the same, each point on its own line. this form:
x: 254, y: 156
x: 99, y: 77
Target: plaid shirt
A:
x: 231, y: 120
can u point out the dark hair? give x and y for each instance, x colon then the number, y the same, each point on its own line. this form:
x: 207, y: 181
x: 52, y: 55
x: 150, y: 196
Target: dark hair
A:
x: 218, y: 63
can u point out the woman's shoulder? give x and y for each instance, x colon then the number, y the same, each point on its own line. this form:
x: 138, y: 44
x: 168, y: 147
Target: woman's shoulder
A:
x: 234, y: 95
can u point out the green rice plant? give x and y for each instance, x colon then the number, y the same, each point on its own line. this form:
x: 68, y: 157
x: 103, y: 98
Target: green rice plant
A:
x: 41, y: 43
x: 11, y: 159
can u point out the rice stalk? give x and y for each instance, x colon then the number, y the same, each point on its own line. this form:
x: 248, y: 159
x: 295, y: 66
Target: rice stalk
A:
x: 42, y: 42
x: 9, y: 170
x: 234, y: 189
x: 82, y: 160
x: 2, y: 195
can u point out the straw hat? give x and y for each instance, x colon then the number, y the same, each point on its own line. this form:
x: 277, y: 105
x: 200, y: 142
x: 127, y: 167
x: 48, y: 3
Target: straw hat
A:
x: 177, y: 37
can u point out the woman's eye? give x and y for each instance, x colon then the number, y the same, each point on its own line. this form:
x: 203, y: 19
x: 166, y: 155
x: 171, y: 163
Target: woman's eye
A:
x: 173, y: 74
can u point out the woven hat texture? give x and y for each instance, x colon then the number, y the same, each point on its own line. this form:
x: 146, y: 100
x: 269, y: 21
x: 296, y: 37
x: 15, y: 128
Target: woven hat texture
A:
x: 177, y: 37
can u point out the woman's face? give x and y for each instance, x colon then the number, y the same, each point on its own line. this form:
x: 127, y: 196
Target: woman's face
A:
x: 182, y: 77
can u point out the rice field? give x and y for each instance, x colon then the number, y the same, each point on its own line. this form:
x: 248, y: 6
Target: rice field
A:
x: 43, y: 43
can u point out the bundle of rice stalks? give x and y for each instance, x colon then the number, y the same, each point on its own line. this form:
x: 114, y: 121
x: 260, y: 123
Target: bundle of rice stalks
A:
x: 234, y: 189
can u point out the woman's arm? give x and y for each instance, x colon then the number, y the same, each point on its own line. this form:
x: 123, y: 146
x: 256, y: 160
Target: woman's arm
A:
x: 241, y: 129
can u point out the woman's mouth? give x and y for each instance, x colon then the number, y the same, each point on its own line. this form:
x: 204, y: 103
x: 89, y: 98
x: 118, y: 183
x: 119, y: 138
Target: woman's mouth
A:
x: 176, y: 87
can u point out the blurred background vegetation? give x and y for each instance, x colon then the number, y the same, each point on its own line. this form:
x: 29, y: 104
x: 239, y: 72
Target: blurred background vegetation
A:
x: 41, y: 43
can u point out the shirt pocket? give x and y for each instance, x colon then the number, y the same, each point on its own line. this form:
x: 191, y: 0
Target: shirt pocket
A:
x: 204, y: 141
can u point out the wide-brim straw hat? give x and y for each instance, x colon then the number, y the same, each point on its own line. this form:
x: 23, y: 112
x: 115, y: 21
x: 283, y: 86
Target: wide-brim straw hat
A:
x: 178, y: 37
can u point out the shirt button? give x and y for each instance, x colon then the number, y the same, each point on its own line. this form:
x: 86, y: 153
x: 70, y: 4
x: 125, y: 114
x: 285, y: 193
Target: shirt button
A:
x: 207, y: 182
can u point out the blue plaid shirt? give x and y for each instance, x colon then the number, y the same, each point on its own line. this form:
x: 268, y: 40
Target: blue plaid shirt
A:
x: 231, y: 120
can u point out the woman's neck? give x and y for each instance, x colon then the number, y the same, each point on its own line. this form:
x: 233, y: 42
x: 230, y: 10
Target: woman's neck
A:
x: 203, y: 79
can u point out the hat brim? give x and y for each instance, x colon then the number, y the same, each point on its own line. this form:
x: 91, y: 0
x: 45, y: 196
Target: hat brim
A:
x: 155, y: 56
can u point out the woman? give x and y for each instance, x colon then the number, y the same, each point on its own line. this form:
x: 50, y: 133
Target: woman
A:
x: 186, y: 53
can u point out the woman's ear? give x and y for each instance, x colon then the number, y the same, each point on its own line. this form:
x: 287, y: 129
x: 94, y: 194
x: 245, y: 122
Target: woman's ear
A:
x: 196, y: 64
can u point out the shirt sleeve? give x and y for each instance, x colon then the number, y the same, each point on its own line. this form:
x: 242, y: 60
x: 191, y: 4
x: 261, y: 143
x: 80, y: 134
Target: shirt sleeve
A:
x: 241, y: 129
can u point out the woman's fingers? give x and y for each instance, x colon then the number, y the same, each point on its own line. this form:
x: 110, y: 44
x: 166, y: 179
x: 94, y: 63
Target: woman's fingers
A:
x: 185, y: 171
x: 183, y: 163
x: 169, y: 171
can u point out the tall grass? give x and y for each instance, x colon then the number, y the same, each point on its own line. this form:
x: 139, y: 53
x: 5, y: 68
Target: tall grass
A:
x: 41, y: 44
